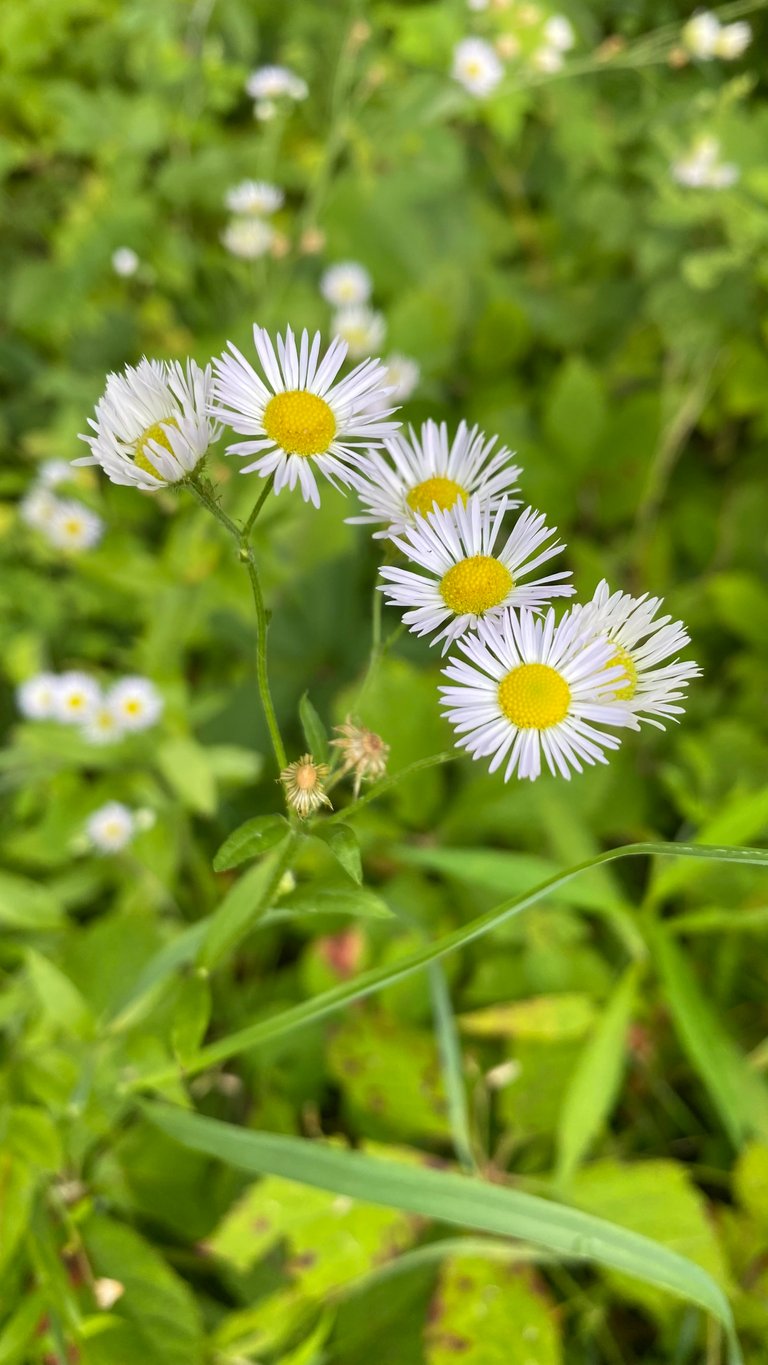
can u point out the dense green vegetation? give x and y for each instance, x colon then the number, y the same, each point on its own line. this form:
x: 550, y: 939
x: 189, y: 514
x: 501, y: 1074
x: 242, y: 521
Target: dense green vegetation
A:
x: 577, y: 261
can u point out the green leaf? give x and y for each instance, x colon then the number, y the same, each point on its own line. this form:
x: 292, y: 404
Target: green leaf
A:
x: 330, y: 896
x: 595, y: 1084
x: 344, y: 845
x: 314, y: 731
x: 243, y: 905
x: 17, y: 1186
x: 27, y: 905
x: 545, y: 1018
x: 59, y: 1000
x: 451, y: 1198
x: 486, y: 1314
x: 250, y: 840
x: 192, y: 1011
x: 186, y: 768
x: 21, y: 1328
x: 390, y: 1073
x: 738, y: 1093
x: 576, y: 410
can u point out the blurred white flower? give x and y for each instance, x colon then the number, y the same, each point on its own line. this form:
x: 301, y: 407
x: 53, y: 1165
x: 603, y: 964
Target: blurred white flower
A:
x: 701, y: 168
x: 477, y: 5
x: 125, y: 262
x: 152, y: 425
x: 38, y: 508
x: 559, y: 34
x: 110, y: 828
x: 76, y: 697
x: 547, y: 60
x: 254, y: 196
x: 248, y: 238
x: 346, y: 284
x: 403, y: 375
x: 361, y: 328
x: 74, y: 527
x: 106, y: 1292
x: 476, y: 66
x: 271, y: 82
x: 701, y: 33
x: 104, y: 726
x: 36, y: 697
x: 733, y: 41
x: 53, y: 472
x: 135, y: 702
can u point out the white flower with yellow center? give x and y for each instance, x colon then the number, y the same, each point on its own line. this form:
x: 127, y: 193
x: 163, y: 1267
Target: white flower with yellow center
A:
x: 38, y: 508
x: 403, y: 375
x: 733, y: 41
x: 528, y: 687
x: 361, y: 328
x: 74, y: 528
x: 36, y: 697
x: 422, y: 472
x: 76, y: 697
x: 641, y: 641
x: 346, y: 285
x: 700, y: 35
x: 135, y: 702
x: 467, y: 578
x: 152, y: 425
x: 476, y: 66
x: 298, y: 419
x: 254, y: 196
x: 274, y: 82
x: 111, y: 827
x: 104, y: 726
x: 248, y: 238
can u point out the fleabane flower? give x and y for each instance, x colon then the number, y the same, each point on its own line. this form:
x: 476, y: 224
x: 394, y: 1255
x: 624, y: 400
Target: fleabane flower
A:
x: 54, y: 472
x: 476, y: 66
x: 526, y: 688
x: 111, y: 827
x: 701, y: 168
x: 414, y: 475
x: 701, y: 33
x: 362, y: 752
x: 559, y: 34
x: 276, y: 82
x: 733, y: 41
x: 254, y: 196
x: 74, y: 528
x: 76, y: 696
x: 103, y: 726
x: 403, y: 375
x: 641, y: 641
x: 135, y: 702
x: 467, y: 577
x: 346, y: 285
x: 361, y: 328
x: 38, y: 508
x: 36, y: 696
x: 300, y: 420
x: 152, y: 426
x: 125, y: 262
x: 248, y: 238
x: 303, y: 785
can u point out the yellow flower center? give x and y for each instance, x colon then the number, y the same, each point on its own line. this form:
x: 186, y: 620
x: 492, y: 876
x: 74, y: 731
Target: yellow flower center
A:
x: 300, y: 422
x: 534, y: 696
x: 624, y: 658
x: 143, y: 458
x: 475, y: 584
x: 132, y: 707
x: 444, y: 492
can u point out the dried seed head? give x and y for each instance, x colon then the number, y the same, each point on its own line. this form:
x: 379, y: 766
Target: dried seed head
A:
x: 303, y: 785
x: 363, y: 753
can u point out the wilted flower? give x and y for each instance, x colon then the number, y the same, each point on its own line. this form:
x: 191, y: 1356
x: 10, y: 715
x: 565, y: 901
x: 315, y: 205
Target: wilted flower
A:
x: 303, y: 785
x: 248, y: 238
x: 125, y: 262
x: 476, y: 66
x: 110, y: 828
x: 363, y: 753
x: 254, y: 196
x: 361, y: 328
x: 346, y: 284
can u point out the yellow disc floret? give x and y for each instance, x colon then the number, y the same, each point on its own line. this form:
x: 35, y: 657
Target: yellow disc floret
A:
x: 475, y: 584
x: 300, y: 423
x: 445, y: 492
x: 624, y: 659
x: 157, y: 433
x: 534, y: 696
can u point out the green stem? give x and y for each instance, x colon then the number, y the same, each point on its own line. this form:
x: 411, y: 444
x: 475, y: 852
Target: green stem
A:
x: 262, y: 498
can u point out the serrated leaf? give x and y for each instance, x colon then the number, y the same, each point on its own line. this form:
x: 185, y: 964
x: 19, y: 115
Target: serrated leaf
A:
x: 343, y: 844
x: 314, y: 731
x: 250, y: 840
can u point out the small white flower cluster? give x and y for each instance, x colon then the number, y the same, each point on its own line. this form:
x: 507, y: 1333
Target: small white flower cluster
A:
x: 66, y: 524
x: 75, y: 698
x: 706, y: 38
x: 701, y: 167
x: 478, y: 65
x: 348, y: 287
x: 248, y: 234
x: 268, y: 85
x: 110, y: 829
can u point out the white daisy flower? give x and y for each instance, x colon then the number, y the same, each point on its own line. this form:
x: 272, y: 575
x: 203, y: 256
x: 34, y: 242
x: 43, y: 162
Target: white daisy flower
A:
x: 248, y: 238
x: 640, y: 642
x: 36, y: 697
x: 135, y: 702
x: 547, y: 60
x: 299, y: 419
x: 466, y: 581
x: 700, y: 35
x: 403, y: 375
x: 733, y: 41
x: 421, y: 472
x: 346, y: 285
x: 74, y: 527
x: 125, y: 262
x: 701, y: 168
x: 111, y: 827
x: 361, y: 328
x: 38, y: 508
x: 272, y: 82
x: 152, y: 425
x: 559, y: 34
x: 254, y: 196
x: 54, y: 472
x: 476, y: 66
x: 104, y: 727
x: 527, y: 687
x: 76, y: 697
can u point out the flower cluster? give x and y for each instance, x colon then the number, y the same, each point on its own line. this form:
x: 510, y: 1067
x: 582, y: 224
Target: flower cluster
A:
x: 66, y: 524
x: 270, y: 86
x: 248, y: 233
x: 702, y: 168
x: 113, y: 826
x: 524, y: 689
x: 706, y: 38
x: 76, y: 698
x: 527, y: 36
x: 348, y: 288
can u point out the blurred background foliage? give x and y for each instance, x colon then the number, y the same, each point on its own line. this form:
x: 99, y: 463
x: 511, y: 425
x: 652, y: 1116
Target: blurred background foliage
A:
x: 533, y: 253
